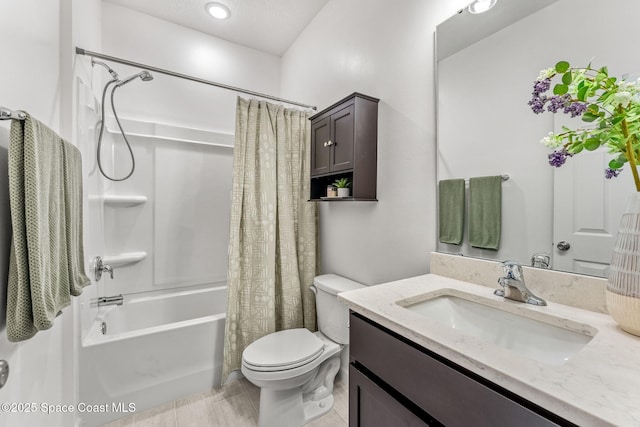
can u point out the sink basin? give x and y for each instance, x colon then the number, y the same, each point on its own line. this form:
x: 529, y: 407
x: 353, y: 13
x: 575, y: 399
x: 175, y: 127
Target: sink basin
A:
x: 532, y: 338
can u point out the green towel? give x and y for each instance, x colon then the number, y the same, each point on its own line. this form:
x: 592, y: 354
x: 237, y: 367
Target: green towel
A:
x: 485, y: 212
x: 46, y: 262
x: 451, y: 210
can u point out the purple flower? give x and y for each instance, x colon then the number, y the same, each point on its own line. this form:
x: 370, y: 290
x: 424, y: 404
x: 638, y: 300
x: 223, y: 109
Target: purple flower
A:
x: 558, y: 158
x: 537, y: 103
x: 541, y: 86
x: 559, y: 101
x: 611, y: 173
x: 575, y: 108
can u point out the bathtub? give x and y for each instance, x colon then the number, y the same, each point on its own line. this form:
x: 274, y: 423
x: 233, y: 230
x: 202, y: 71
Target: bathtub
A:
x: 155, y: 349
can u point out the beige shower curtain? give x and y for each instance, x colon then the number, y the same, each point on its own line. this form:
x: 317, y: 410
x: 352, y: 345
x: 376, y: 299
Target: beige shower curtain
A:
x: 272, y: 245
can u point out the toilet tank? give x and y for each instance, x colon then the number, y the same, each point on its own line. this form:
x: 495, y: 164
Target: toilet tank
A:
x: 333, y: 315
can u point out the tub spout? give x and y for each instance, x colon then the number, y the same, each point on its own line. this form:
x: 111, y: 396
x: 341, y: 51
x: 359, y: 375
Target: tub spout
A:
x: 102, y: 301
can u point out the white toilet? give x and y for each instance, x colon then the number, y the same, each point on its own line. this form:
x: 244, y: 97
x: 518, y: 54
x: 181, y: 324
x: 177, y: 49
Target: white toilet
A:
x: 295, y: 368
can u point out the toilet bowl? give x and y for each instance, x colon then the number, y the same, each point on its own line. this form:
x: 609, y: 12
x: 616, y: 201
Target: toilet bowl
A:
x: 295, y: 368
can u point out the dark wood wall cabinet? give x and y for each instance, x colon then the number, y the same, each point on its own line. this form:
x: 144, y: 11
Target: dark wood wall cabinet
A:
x: 394, y: 382
x: 344, y: 144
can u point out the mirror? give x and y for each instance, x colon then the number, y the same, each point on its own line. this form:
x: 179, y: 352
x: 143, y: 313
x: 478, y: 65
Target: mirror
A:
x: 486, y: 65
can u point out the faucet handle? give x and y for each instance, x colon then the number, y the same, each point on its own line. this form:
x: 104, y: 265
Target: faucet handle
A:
x: 107, y: 269
x: 512, y: 270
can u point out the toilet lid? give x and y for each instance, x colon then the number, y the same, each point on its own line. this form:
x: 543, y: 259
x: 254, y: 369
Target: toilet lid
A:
x: 283, y: 350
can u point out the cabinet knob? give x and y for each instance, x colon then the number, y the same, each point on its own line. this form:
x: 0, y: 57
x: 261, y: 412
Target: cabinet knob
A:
x: 330, y: 143
x: 325, y: 143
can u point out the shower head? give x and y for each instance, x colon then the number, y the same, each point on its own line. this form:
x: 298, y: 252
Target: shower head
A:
x: 144, y: 76
x: 109, y: 69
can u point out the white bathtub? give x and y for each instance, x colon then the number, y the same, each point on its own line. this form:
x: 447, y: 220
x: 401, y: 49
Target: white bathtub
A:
x: 155, y: 350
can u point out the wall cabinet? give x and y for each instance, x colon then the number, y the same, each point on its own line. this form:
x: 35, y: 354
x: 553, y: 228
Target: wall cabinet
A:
x: 344, y: 140
x: 389, y: 373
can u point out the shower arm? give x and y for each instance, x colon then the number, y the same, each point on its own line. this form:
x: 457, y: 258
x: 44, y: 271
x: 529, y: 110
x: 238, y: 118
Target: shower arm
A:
x: 109, y: 69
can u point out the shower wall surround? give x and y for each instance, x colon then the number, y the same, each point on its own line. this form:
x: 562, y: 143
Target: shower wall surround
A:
x: 184, y: 233
x: 181, y: 230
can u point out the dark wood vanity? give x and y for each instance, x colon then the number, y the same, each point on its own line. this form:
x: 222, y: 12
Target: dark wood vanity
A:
x: 395, y: 382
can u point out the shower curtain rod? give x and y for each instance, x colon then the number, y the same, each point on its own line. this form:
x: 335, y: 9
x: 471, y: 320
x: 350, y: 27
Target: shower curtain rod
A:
x: 80, y: 51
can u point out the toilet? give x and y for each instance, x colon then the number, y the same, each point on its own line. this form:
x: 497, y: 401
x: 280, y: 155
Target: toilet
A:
x: 295, y: 368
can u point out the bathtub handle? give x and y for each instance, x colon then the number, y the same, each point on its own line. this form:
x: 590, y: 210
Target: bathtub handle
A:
x: 108, y: 269
x: 98, y: 267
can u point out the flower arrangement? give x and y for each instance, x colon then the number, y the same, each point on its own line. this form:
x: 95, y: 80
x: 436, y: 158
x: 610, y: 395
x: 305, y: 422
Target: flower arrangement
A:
x: 610, y: 108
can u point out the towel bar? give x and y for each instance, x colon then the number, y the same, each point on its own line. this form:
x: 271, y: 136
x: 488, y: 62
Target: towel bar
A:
x: 8, y: 114
x: 505, y: 177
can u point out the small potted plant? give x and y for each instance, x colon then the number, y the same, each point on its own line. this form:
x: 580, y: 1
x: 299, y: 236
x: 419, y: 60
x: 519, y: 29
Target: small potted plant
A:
x: 342, y: 185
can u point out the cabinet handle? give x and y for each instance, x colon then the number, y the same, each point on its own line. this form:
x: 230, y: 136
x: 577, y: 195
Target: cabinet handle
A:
x: 330, y: 143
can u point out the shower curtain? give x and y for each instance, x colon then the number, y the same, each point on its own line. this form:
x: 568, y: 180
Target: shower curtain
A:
x: 272, y: 245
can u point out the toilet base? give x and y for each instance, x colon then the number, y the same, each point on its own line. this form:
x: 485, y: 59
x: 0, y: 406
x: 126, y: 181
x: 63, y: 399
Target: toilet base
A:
x: 284, y: 408
x: 316, y: 408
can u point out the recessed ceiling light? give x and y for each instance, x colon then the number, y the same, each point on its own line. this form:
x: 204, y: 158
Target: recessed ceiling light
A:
x: 481, y: 6
x: 217, y: 10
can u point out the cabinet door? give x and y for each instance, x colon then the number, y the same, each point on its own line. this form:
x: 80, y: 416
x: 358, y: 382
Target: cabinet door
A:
x: 371, y: 406
x: 343, y: 137
x: 320, y: 150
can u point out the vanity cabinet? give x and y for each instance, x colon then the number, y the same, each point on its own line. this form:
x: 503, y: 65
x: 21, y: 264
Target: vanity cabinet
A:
x: 417, y: 387
x: 344, y: 139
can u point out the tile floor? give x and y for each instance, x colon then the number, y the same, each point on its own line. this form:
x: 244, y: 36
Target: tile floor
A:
x: 233, y: 405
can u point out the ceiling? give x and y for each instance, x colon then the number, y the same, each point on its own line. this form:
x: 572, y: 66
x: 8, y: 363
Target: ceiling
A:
x: 267, y: 25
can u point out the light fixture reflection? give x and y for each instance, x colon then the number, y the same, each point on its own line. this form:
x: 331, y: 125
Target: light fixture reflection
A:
x: 481, y: 6
x: 217, y: 10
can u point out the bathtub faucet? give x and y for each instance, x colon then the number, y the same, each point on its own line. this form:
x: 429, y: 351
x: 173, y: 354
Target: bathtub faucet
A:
x: 116, y: 300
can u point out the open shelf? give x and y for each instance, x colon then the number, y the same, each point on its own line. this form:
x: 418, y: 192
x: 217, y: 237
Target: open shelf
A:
x: 124, y: 201
x: 124, y: 258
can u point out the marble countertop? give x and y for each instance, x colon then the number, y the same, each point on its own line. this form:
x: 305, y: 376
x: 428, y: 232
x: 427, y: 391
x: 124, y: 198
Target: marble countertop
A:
x: 598, y: 386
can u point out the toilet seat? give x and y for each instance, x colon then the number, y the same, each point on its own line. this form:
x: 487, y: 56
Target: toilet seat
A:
x: 283, y: 350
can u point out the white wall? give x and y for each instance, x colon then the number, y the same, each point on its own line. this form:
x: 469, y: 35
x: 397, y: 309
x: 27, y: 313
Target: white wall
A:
x: 141, y: 38
x: 27, y: 83
x: 35, y: 76
x: 383, y: 49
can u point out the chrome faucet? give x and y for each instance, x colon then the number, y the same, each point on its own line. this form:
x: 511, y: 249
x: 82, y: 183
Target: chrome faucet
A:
x: 513, y: 286
x: 541, y: 260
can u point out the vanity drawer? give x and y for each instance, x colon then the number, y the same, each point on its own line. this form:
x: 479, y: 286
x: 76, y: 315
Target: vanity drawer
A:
x: 445, y: 391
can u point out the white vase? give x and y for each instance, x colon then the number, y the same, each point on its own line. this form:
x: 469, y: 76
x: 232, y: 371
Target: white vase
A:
x: 623, y: 286
x: 343, y: 192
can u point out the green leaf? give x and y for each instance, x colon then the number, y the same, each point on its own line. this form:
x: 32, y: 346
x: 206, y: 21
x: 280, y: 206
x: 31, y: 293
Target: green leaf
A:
x: 562, y: 66
x: 560, y: 89
x: 604, y: 70
x: 575, y: 149
x: 592, y: 144
x: 582, y: 93
x: 617, y: 119
x: 602, y: 97
x: 589, y: 117
x: 567, y: 78
x: 593, y: 108
x: 615, y: 164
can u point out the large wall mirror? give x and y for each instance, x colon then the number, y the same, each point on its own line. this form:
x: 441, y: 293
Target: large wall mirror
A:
x: 486, y: 65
